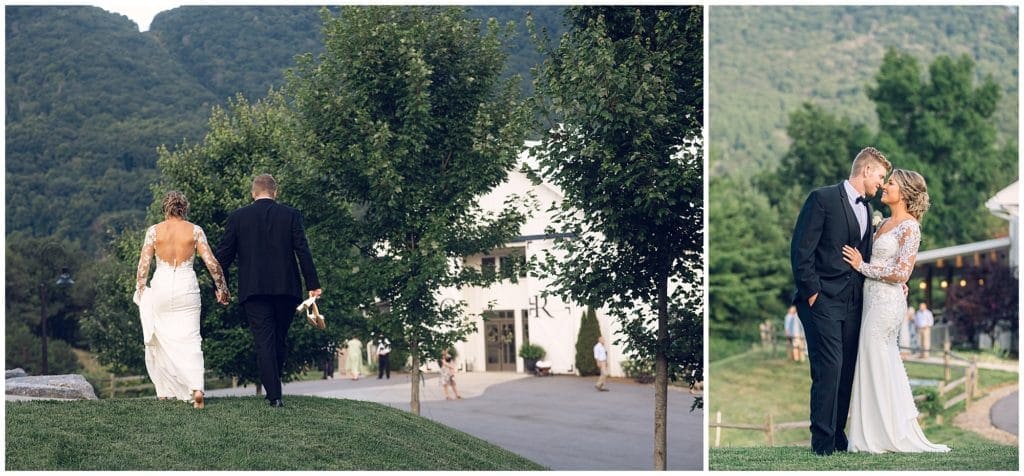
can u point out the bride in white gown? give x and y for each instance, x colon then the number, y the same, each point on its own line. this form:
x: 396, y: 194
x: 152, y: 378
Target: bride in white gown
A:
x: 169, y: 308
x: 883, y: 416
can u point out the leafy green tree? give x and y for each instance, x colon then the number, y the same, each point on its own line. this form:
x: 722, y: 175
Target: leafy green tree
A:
x: 628, y: 159
x: 943, y: 124
x: 748, y: 259
x: 585, y: 340
x: 821, y: 153
x: 405, y: 116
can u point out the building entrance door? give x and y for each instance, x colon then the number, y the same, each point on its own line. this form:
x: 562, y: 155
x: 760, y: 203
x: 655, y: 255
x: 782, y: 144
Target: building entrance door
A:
x: 500, y: 333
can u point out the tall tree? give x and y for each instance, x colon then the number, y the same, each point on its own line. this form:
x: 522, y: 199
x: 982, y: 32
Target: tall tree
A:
x: 628, y: 158
x: 944, y: 125
x: 404, y: 114
x: 748, y: 266
x: 821, y: 152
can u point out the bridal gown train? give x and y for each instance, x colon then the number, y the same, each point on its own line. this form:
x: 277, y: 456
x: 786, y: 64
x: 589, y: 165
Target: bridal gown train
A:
x: 883, y: 416
x: 169, y: 310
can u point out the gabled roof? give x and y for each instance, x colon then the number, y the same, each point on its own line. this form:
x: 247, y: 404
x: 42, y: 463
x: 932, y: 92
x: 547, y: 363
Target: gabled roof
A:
x: 1006, y: 203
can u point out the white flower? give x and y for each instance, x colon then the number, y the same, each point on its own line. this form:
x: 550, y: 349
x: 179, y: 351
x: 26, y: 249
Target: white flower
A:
x: 876, y: 218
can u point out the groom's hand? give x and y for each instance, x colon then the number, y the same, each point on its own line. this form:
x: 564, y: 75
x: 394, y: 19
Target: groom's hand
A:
x: 315, y: 292
x: 810, y: 302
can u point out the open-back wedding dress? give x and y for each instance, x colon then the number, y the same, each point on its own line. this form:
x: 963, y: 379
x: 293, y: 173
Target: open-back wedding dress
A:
x: 169, y: 310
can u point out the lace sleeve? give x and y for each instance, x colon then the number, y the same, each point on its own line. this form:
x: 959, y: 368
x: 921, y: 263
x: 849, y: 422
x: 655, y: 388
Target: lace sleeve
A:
x: 899, y: 270
x: 211, y: 262
x: 145, y: 258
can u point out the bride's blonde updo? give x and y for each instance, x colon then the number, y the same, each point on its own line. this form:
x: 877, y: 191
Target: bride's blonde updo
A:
x: 913, y: 190
x: 175, y: 204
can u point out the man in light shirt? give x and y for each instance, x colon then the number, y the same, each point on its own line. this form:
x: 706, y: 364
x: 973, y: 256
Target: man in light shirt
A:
x: 601, y: 356
x: 924, y: 320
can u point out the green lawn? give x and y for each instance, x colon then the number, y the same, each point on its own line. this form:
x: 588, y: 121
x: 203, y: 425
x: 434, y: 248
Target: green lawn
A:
x: 969, y: 454
x: 239, y: 433
x: 749, y: 386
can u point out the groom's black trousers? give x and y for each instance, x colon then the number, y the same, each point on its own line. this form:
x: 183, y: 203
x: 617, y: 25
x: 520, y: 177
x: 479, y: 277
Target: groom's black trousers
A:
x: 832, y: 329
x: 269, y: 320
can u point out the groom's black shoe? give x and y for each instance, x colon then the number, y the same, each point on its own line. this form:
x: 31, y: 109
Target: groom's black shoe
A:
x: 276, y: 403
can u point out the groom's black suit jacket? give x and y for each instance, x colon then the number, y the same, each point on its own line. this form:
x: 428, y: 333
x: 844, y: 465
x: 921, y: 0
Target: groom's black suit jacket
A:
x: 267, y: 238
x: 826, y: 223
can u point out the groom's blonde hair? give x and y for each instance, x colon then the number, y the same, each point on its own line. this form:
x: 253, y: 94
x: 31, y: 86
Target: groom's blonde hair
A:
x: 872, y: 156
x: 264, y: 183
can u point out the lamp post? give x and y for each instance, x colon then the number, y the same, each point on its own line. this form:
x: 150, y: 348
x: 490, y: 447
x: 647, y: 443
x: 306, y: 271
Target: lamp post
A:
x: 63, y: 280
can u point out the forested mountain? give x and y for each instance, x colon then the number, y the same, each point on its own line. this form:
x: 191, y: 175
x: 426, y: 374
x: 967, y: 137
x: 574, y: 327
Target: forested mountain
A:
x: 233, y: 50
x: 90, y: 98
x: 764, y: 61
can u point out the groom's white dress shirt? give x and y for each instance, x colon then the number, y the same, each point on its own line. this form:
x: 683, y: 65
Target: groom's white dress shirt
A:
x: 859, y: 210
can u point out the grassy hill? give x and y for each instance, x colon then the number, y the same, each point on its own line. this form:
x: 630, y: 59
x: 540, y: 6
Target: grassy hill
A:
x: 764, y: 61
x: 234, y: 433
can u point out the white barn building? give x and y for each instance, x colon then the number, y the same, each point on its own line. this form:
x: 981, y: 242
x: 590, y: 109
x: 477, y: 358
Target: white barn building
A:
x: 518, y: 311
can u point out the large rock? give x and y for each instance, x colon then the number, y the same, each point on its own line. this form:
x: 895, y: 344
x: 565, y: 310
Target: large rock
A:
x: 71, y: 386
x: 15, y: 373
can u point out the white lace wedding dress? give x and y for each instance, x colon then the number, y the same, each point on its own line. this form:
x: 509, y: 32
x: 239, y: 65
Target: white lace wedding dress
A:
x: 169, y: 310
x: 883, y: 416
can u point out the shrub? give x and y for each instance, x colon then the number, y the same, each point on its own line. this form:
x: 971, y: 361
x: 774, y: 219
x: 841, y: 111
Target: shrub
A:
x: 532, y: 352
x: 640, y: 370
x: 932, y: 404
x: 23, y: 350
x: 589, y: 332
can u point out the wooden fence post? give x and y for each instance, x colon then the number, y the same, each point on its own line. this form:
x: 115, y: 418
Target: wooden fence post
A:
x: 718, y: 429
x: 977, y: 372
x: 945, y: 357
x: 972, y: 381
x: 770, y: 429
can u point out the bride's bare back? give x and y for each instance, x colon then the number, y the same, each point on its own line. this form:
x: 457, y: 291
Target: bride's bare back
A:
x: 175, y: 241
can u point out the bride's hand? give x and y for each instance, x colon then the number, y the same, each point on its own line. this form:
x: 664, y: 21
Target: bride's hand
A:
x: 223, y: 297
x: 852, y: 256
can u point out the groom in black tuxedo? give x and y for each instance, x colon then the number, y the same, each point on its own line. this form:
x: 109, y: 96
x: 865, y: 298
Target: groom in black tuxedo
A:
x: 267, y: 238
x: 829, y: 291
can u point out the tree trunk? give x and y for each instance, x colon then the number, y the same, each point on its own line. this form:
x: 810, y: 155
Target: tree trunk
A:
x: 661, y: 380
x: 414, y: 403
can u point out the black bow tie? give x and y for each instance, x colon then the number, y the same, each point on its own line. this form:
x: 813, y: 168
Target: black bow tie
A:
x: 863, y: 200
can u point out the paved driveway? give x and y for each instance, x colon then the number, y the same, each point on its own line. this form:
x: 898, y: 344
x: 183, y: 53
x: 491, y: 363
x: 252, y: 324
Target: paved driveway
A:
x: 561, y: 422
x: 1004, y: 413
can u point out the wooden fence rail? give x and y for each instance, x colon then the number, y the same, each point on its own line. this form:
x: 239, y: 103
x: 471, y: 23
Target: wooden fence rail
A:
x: 128, y: 383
